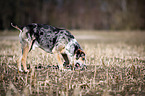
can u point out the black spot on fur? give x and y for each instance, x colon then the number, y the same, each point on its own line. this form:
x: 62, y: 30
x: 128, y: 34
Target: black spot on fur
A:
x: 48, y: 46
x: 76, y: 48
x: 41, y: 33
x: 54, y: 40
x: 36, y: 35
x: 61, y: 32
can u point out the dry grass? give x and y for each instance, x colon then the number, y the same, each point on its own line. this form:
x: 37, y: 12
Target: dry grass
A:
x: 115, y: 67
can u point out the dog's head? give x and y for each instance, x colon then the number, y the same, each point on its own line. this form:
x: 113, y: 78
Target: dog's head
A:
x: 80, y: 58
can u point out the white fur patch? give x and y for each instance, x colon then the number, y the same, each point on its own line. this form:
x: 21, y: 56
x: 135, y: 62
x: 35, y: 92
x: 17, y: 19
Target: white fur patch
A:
x: 35, y: 45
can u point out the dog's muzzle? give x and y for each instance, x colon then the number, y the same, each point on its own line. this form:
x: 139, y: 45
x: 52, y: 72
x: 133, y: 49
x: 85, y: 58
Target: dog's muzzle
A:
x: 80, y: 65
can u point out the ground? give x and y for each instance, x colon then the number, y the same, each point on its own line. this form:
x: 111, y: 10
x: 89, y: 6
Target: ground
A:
x: 115, y: 66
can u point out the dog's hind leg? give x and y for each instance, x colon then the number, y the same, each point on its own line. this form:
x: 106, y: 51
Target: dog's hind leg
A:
x: 24, y: 57
x: 25, y: 50
x: 19, y: 63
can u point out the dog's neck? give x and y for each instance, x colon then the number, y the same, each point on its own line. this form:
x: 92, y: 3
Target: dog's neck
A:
x: 73, y: 46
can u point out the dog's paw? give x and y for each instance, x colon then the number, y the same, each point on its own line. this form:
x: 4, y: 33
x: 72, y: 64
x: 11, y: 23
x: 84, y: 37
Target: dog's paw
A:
x: 61, y: 68
x: 27, y: 71
x: 20, y: 70
x: 67, y: 66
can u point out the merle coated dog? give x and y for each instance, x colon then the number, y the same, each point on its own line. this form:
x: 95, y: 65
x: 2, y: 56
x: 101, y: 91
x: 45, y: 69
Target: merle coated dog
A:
x: 52, y: 40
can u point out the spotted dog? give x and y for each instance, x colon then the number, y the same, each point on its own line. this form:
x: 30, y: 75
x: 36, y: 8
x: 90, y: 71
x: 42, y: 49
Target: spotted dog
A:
x: 53, y: 40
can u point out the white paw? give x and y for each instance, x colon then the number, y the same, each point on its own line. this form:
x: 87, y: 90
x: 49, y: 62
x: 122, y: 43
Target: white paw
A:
x: 61, y: 67
x: 20, y: 70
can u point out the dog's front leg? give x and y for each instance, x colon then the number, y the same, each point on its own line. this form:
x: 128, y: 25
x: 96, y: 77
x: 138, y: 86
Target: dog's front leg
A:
x: 57, y: 55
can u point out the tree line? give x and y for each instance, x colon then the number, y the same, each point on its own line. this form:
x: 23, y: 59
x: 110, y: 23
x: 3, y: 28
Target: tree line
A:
x: 75, y: 14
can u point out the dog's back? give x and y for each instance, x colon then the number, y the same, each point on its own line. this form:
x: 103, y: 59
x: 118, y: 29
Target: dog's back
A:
x: 46, y: 36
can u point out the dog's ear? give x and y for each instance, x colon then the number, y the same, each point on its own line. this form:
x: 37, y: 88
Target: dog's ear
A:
x: 79, y: 53
x: 15, y: 26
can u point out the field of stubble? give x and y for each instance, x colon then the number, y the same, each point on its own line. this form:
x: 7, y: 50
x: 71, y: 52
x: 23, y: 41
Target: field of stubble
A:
x: 115, y: 66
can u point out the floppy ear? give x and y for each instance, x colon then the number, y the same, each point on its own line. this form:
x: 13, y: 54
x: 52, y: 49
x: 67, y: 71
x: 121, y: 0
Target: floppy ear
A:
x: 79, y: 53
x: 15, y: 26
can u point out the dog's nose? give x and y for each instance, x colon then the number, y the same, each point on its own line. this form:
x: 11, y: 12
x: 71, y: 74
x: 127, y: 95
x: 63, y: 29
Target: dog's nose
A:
x: 77, y: 65
x: 83, y: 58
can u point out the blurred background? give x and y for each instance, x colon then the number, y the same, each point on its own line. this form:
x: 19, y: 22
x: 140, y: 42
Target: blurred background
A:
x: 75, y: 14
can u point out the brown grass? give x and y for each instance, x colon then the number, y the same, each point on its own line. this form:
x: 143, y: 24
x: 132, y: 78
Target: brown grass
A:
x: 114, y: 67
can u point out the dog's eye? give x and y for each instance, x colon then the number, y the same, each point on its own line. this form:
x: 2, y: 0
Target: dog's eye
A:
x: 83, y: 58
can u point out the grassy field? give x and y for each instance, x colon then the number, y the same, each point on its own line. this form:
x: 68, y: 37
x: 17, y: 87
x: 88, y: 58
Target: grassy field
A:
x: 115, y: 66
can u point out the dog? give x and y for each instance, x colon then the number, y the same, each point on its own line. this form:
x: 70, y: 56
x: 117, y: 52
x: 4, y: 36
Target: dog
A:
x: 53, y: 40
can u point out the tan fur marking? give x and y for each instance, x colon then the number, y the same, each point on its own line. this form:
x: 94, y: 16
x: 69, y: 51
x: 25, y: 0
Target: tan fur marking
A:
x: 80, y: 59
x: 80, y: 51
x: 59, y: 60
x: 61, y: 49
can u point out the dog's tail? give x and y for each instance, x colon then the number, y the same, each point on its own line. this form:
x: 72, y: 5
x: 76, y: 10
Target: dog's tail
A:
x: 15, y: 26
